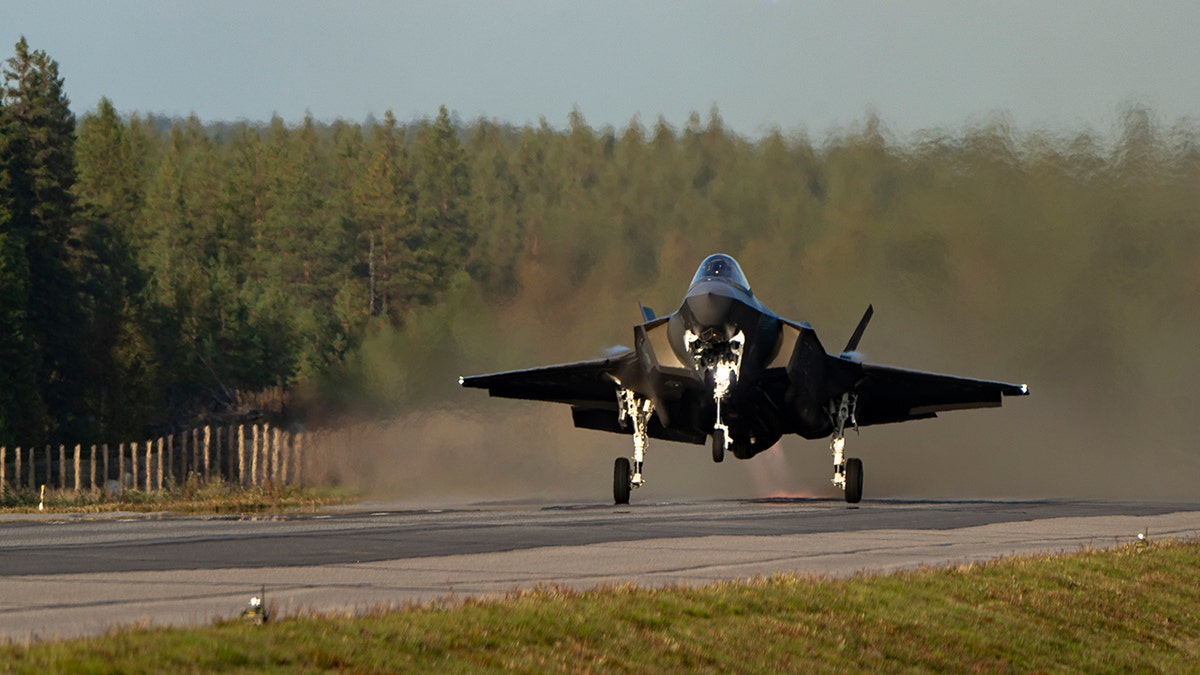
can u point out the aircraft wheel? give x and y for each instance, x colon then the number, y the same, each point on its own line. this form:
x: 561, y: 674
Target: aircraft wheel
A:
x: 718, y: 445
x: 621, y: 481
x: 854, y: 480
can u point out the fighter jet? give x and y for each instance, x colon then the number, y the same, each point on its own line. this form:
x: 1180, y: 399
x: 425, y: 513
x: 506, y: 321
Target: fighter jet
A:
x: 726, y: 370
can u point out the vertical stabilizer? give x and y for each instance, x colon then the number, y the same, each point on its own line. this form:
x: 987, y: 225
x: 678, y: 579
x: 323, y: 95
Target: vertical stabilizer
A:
x: 647, y: 313
x: 852, y: 345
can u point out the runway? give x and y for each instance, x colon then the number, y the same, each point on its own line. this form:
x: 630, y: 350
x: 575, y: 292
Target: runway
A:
x: 66, y: 576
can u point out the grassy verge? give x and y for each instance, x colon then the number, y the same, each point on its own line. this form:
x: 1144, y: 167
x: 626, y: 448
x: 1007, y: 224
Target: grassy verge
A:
x: 1132, y: 609
x: 191, y: 497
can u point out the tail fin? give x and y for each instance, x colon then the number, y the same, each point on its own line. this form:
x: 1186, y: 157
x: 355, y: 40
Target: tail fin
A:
x: 647, y: 313
x: 852, y: 345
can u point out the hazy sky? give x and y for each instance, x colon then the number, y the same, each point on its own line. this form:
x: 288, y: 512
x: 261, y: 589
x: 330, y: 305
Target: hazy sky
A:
x: 790, y: 64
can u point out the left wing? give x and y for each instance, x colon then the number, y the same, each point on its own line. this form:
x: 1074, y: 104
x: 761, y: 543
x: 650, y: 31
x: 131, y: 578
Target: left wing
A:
x: 887, y: 394
x: 583, y: 383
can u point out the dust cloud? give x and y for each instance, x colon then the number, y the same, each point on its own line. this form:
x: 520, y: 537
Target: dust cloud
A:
x: 1062, y: 263
x: 1073, y: 437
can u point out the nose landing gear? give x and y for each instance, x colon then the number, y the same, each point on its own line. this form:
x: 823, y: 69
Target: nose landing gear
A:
x: 722, y: 360
x: 720, y: 439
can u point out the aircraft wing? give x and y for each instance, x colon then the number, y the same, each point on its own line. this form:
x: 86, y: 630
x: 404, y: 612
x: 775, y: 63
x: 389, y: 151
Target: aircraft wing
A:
x: 583, y: 383
x: 887, y: 394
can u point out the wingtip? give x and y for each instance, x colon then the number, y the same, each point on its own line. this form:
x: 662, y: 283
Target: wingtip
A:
x: 461, y: 380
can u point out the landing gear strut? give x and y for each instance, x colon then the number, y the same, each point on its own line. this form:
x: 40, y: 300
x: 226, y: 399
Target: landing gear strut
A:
x: 723, y: 362
x: 847, y: 473
x: 636, y: 409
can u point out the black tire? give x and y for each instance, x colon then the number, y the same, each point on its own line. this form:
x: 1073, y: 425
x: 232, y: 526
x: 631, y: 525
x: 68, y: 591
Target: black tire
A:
x: 718, y: 445
x: 621, y: 480
x: 854, y: 480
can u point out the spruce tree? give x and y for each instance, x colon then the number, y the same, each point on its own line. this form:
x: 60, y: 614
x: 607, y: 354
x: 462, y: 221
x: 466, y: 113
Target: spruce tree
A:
x: 443, y: 183
x: 383, y: 210
x: 495, y: 214
x: 119, y: 349
x: 39, y: 153
x: 20, y: 404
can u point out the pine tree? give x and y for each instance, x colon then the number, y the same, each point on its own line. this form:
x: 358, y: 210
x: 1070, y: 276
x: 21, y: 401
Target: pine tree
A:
x: 39, y: 151
x: 109, y: 172
x: 120, y: 365
x: 443, y: 183
x: 495, y: 214
x: 383, y: 209
x: 20, y: 404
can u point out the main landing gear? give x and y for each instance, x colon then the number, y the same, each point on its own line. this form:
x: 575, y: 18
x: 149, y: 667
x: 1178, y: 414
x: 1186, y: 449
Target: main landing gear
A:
x: 637, y: 410
x: 847, y: 472
x: 621, y: 484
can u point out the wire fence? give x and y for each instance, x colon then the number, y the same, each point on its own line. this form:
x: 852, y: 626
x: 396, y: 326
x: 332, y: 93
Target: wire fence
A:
x: 252, y: 455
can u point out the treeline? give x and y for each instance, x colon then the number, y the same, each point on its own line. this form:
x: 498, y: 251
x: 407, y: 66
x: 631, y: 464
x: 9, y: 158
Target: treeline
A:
x: 156, y: 271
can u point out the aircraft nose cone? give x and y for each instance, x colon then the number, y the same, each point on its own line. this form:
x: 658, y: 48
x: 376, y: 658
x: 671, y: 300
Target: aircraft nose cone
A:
x: 709, y: 309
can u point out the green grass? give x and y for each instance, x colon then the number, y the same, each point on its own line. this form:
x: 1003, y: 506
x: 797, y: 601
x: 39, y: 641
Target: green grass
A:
x: 1132, y: 609
x: 194, y: 496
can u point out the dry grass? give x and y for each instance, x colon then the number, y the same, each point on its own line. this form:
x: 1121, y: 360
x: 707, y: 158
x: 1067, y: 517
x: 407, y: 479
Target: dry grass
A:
x: 1136, y: 608
x: 194, y: 496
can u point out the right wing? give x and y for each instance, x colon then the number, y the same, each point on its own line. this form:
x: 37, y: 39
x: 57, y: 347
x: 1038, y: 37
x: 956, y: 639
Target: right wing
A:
x: 583, y: 383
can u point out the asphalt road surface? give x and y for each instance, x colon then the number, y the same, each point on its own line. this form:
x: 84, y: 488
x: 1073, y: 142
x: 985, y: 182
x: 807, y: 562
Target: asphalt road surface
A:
x: 65, y: 576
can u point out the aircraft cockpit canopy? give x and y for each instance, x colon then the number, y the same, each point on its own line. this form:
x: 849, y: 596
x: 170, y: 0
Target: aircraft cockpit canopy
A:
x: 720, y: 267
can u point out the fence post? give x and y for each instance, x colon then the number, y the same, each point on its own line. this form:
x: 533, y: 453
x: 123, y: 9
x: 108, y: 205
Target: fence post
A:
x: 230, y: 448
x: 149, y: 456
x: 241, y: 436
x: 133, y: 461
x: 285, y: 455
x: 276, y: 442
x: 160, y: 463
x: 92, y: 471
x: 62, y: 467
x: 264, y: 460
x: 217, y: 454
x: 265, y: 463
x: 300, y: 459
x: 17, y: 470
x: 170, y: 457
x: 254, y: 458
x: 194, y: 468
x: 77, y: 472
x: 207, y: 441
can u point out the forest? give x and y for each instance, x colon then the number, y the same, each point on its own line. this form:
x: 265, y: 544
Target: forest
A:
x: 157, y: 272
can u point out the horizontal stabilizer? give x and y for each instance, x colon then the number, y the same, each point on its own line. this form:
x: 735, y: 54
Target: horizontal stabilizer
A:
x: 887, y: 394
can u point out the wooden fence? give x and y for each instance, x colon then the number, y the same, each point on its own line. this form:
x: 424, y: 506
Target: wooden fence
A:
x: 248, y: 455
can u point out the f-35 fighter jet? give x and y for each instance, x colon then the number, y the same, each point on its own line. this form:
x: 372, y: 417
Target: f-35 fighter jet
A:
x: 725, y: 369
